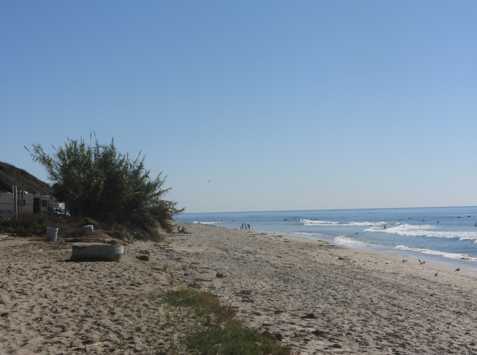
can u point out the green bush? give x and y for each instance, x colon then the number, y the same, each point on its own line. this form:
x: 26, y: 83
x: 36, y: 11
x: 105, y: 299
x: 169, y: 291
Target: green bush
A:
x: 203, y: 303
x: 98, y: 182
x: 24, y: 226
x: 89, y: 220
x: 233, y: 338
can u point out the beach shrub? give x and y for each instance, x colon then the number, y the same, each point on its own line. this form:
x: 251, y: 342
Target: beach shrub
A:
x: 233, y: 338
x: 203, y: 303
x: 24, y: 226
x: 89, y: 220
x: 97, y: 181
x: 225, y: 335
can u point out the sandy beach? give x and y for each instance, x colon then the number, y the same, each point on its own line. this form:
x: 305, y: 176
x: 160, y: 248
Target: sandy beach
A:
x: 315, y: 297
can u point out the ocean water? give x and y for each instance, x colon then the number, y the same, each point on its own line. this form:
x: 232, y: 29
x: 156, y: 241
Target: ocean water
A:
x: 448, y: 234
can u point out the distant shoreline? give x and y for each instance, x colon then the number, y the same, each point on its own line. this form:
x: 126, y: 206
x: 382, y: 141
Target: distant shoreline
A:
x: 439, y: 234
x: 443, y: 263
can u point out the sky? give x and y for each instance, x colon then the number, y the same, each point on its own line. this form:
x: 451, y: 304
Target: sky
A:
x: 254, y: 105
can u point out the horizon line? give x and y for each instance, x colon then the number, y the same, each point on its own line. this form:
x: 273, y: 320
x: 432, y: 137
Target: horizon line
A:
x: 333, y: 209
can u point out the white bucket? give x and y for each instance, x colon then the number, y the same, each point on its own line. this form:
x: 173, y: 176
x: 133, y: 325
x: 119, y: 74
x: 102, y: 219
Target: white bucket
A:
x: 52, y: 233
x: 88, y: 229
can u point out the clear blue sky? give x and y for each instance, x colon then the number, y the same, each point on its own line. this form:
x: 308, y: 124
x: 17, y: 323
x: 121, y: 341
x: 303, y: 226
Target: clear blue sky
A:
x: 250, y: 105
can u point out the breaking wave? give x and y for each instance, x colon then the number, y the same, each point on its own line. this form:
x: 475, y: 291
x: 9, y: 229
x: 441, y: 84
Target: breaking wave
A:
x: 315, y: 222
x: 349, y: 242
x: 425, y: 230
x: 455, y: 256
x: 206, y: 222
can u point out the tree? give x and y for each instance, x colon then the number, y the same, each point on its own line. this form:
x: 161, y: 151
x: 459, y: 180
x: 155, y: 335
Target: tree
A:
x: 98, y: 181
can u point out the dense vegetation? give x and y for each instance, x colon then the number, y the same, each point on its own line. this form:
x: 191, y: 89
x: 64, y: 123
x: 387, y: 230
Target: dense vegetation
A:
x: 25, y: 226
x: 97, y: 181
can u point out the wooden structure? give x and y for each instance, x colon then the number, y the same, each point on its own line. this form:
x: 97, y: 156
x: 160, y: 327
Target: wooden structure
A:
x: 22, y: 193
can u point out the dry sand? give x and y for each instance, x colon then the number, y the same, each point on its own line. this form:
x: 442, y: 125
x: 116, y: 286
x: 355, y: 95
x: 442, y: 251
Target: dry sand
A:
x: 51, y: 306
x: 316, y: 297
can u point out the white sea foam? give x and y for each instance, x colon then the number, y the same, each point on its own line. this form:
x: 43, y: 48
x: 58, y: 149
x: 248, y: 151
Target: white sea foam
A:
x: 456, y: 256
x: 206, y: 222
x: 425, y: 230
x: 349, y: 242
x: 315, y: 222
x: 365, y: 224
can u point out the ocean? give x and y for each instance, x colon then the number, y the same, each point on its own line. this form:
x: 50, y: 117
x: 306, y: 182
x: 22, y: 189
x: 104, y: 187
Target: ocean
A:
x: 441, y: 233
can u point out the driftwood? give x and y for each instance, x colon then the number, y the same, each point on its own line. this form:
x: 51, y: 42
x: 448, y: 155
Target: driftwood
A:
x: 96, y: 252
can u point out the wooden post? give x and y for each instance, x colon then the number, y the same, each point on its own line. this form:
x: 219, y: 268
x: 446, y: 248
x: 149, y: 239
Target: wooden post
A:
x: 15, y: 200
x: 21, y: 205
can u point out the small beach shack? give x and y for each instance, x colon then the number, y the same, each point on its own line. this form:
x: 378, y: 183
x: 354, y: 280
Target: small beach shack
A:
x: 22, y: 194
